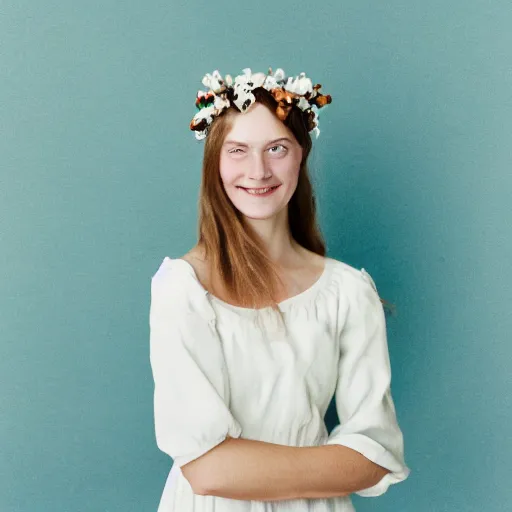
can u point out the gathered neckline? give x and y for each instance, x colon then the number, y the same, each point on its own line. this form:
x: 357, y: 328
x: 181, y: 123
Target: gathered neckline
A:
x: 282, y: 304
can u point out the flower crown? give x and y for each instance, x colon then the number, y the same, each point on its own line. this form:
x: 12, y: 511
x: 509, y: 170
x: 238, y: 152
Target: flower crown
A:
x: 225, y: 92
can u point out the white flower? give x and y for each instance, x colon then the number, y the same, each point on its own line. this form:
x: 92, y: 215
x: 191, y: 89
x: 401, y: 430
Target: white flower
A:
x: 205, y: 113
x: 248, y: 81
x: 279, y: 75
x: 242, y: 89
x: 208, y: 113
x: 213, y: 81
x: 247, y: 78
x: 257, y: 79
x: 229, y: 80
x: 300, y: 85
x: 200, y: 135
x: 220, y: 103
x: 316, y: 130
x: 303, y: 103
x: 272, y: 81
x: 244, y: 97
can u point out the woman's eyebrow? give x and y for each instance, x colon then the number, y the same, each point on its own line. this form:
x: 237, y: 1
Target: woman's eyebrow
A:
x: 229, y: 141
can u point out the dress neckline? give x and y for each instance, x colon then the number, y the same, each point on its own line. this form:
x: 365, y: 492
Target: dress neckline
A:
x: 284, y: 304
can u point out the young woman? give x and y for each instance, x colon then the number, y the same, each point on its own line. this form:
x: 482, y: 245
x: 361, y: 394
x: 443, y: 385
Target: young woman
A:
x: 255, y: 329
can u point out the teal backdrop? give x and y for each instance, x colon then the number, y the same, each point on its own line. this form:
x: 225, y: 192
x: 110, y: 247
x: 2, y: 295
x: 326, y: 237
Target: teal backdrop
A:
x: 99, y: 181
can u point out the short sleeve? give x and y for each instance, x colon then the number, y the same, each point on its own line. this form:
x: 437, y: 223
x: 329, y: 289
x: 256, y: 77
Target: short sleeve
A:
x: 364, y: 404
x: 191, y: 390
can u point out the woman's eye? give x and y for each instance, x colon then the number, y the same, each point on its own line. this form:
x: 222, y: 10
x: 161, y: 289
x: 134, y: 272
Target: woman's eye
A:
x: 238, y: 150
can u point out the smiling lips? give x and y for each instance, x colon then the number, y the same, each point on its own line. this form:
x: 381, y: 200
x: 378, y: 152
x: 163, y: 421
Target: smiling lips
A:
x: 260, y: 191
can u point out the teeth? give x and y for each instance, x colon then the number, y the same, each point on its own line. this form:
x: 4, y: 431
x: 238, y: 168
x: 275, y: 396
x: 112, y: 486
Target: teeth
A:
x: 263, y: 191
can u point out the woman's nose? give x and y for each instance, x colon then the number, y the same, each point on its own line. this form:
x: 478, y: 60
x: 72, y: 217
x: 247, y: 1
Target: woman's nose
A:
x: 257, y: 167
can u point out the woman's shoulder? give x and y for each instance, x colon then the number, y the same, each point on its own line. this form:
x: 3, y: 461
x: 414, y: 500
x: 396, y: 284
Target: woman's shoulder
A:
x: 176, y: 282
x: 180, y: 267
x: 350, y: 276
x: 196, y: 259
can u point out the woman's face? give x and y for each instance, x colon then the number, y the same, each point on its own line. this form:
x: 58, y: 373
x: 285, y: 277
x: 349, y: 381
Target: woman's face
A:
x: 259, y: 151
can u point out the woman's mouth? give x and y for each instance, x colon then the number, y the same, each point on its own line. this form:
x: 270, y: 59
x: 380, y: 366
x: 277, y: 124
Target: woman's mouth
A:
x: 262, y: 192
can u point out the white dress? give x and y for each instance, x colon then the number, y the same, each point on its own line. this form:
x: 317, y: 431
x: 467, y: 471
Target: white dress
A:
x: 216, y: 374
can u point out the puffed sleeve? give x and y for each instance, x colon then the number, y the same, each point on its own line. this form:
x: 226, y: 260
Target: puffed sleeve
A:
x: 364, y: 404
x: 191, y: 390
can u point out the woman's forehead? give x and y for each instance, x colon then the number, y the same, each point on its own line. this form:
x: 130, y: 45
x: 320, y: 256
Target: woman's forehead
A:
x: 262, y: 141
x: 257, y: 130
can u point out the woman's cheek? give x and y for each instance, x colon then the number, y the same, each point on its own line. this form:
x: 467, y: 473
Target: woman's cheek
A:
x: 228, y: 170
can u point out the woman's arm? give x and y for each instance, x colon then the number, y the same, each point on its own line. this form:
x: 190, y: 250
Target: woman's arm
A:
x: 245, y: 469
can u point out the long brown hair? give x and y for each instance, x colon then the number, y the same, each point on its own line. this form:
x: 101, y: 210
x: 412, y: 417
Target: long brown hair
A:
x: 234, y: 253
x: 237, y: 259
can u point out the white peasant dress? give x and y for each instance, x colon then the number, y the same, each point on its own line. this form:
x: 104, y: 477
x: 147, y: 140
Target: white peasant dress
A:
x: 215, y: 374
